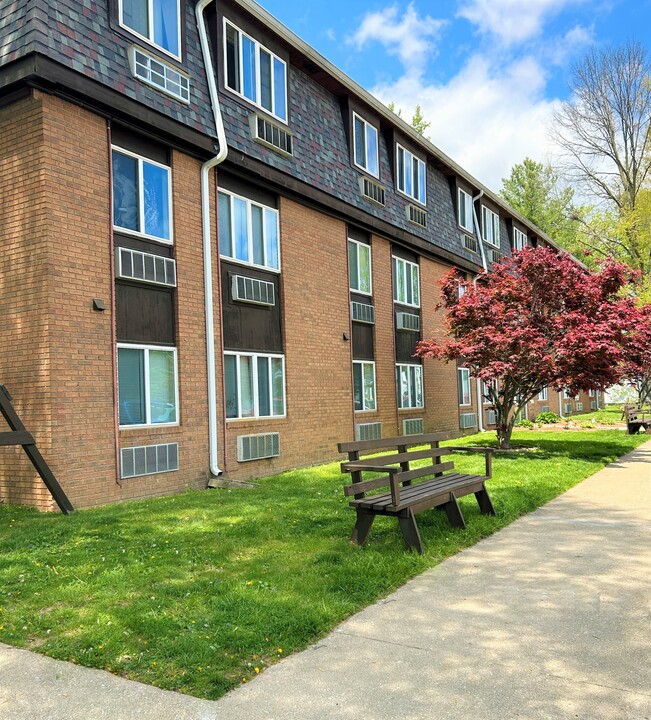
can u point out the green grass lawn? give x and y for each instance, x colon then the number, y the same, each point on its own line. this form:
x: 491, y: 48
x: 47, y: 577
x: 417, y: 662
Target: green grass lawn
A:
x: 200, y: 591
x: 610, y: 415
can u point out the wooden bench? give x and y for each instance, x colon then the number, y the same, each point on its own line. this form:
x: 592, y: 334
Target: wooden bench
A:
x: 636, y: 419
x: 438, y: 486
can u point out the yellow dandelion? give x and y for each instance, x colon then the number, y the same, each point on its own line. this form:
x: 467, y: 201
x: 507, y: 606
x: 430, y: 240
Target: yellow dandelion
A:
x: 280, y: 651
x: 249, y: 582
x: 257, y: 670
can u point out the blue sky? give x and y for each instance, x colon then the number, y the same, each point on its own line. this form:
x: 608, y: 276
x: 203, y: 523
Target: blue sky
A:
x: 487, y: 73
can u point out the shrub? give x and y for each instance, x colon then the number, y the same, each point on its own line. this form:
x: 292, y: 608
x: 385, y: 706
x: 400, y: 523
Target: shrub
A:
x: 548, y: 418
x: 524, y: 424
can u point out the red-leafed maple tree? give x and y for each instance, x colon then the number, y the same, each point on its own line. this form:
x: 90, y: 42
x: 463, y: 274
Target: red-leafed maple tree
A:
x: 637, y: 363
x: 537, y: 319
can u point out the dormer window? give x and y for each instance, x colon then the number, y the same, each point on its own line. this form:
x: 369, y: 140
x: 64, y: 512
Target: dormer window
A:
x: 156, y: 21
x: 365, y: 146
x: 519, y: 239
x: 254, y: 72
x: 490, y: 222
x: 464, y: 210
x: 410, y: 174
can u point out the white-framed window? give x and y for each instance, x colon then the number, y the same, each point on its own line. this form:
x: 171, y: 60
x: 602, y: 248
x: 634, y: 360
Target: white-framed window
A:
x: 542, y: 395
x: 364, y: 385
x: 409, y: 381
x: 142, y: 196
x: 465, y: 391
x: 490, y: 222
x: 406, y: 282
x: 365, y: 145
x: 255, y: 385
x: 156, y: 21
x: 591, y: 392
x: 464, y: 210
x: 566, y: 394
x: 519, y: 239
x: 147, y: 385
x: 411, y: 175
x: 248, y: 232
x: 254, y: 72
x: 359, y: 267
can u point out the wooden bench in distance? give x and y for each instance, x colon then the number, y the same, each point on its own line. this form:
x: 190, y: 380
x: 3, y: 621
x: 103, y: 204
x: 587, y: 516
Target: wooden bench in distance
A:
x: 636, y: 420
x: 438, y: 486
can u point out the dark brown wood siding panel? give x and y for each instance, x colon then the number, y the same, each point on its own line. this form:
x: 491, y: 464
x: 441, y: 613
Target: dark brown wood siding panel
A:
x: 406, y: 346
x: 144, y: 314
x: 362, y: 341
x: 139, y: 144
x: 143, y: 245
x: 254, y: 328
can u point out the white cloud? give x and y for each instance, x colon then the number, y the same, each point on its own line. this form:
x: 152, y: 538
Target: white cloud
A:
x: 512, y: 21
x: 406, y: 35
x: 560, y: 50
x: 486, y: 119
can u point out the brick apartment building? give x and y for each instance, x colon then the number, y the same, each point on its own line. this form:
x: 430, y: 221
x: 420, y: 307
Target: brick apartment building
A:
x: 218, y: 252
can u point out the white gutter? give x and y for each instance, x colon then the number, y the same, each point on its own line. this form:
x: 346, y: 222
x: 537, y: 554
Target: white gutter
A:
x: 480, y: 406
x: 206, y: 233
x: 478, y: 230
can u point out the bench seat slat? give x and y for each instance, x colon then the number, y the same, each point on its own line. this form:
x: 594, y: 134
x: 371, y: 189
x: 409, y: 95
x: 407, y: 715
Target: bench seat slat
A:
x: 411, y: 495
x: 365, y: 485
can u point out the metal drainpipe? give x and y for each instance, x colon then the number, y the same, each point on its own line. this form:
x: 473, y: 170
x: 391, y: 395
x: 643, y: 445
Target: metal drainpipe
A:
x: 480, y: 406
x: 478, y: 230
x: 206, y: 234
x: 560, y: 404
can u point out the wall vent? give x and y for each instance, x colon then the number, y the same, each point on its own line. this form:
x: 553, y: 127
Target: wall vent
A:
x: 567, y: 408
x: 136, y: 265
x: 494, y: 256
x: 368, y: 431
x: 361, y: 312
x: 417, y: 215
x: 412, y: 426
x: 593, y: 404
x: 257, y: 447
x: 470, y: 243
x: 148, y: 460
x: 467, y: 420
x: 269, y: 134
x: 544, y: 408
x: 579, y: 406
x: 159, y: 75
x: 408, y: 321
x: 252, y: 290
x: 371, y: 190
x: 491, y: 417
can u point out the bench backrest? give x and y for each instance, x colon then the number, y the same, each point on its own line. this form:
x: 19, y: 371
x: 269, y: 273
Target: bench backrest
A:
x: 401, y: 456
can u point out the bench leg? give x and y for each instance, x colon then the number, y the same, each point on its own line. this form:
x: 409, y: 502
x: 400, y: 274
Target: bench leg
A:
x: 410, y: 531
x: 455, y: 516
x: 484, y: 501
x: 362, y: 527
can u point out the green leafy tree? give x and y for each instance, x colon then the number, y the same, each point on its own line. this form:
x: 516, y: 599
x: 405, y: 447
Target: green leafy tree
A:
x: 418, y: 121
x: 535, y: 191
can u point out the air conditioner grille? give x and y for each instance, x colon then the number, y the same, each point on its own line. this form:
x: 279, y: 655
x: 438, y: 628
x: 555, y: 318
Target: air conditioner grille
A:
x: 408, y: 321
x: 544, y: 408
x: 257, y: 447
x: 417, y: 215
x: 491, y: 417
x: 470, y: 243
x: 495, y: 256
x: 567, y: 408
x: 579, y: 406
x: 268, y: 133
x: 593, y: 405
x: 252, y: 290
x: 368, y: 431
x: 467, y: 420
x: 361, y: 312
x: 149, y: 268
x: 371, y: 190
x: 148, y: 460
x: 412, y: 426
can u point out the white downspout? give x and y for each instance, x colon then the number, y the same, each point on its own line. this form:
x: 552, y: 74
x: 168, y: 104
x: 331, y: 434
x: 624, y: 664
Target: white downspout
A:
x: 560, y: 404
x: 207, y: 246
x: 478, y: 230
x: 480, y: 406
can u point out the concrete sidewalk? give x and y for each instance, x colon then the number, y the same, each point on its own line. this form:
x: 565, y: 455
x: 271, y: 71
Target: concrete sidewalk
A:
x: 548, y: 618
